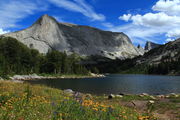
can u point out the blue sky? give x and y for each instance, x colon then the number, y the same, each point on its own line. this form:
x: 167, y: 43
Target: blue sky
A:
x: 141, y: 20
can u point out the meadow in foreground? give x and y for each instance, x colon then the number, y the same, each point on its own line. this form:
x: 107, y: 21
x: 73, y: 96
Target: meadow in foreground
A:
x: 26, y: 102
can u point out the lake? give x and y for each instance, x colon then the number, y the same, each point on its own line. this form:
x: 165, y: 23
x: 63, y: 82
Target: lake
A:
x: 128, y: 84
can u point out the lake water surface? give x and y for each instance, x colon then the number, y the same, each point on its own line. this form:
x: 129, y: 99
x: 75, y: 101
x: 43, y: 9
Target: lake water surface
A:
x: 128, y: 84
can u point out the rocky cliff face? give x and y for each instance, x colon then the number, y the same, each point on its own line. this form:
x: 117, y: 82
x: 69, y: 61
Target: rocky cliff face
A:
x: 150, y: 45
x: 141, y: 49
x: 167, y: 52
x: 47, y: 34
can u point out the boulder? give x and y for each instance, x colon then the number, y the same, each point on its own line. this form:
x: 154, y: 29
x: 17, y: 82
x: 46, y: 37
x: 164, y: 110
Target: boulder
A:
x: 152, y: 97
x: 78, y: 95
x: 137, y: 104
x: 111, y: 96
x: 119, y: 96
x: 161, y: 96
x: 151, y: 101
x: 174, y: 95
x: 143, y: 94
x: 69, y: 91
x: 140, y: 104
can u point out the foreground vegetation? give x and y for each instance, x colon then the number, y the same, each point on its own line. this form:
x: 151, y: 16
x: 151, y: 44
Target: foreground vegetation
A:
x: 26, y: 102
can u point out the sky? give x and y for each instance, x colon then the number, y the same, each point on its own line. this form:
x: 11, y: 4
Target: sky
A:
x: 142, y: 20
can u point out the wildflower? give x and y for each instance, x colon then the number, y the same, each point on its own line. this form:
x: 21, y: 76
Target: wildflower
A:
x: 55, y: 113
x: 143, y: 117
x: 104, y: 110
x: 123, y: 112
x: 95, y: 109
x: 60, y: 114
x: 53, y: 104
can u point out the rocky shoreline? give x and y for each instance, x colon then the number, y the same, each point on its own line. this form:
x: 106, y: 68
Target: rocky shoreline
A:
x: 121, y: 95
x: 22, y: 78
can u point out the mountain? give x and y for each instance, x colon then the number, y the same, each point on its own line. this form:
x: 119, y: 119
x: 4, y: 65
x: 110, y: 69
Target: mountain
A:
x: 150, y: 45
x: 46, y: 33
x: 164, y: 59
x: 164, y: 53
x: 141, y: 49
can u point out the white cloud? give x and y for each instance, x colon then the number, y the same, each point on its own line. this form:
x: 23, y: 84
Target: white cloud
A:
x: 107, y: 24
x: 174, y: 33
x: 164, y: 19
x: 156, y: 19
x: 138, y: 34
x: 79, y: 6
x: 2, y: 31
x: 169, y: 39
x: 125, y: 17
x: 12, y: 12
x: 171, y: 7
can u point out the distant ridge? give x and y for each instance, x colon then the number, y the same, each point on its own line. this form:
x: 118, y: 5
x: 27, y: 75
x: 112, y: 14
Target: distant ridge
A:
x: 168, y: 52
x: 151, y: 45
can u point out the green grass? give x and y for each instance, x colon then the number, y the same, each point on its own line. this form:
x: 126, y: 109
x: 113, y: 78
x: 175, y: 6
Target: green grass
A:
x: 135, y: 97
x: 175, y: 99
x: 172, y: 105
x: 26, y: 102
x: 166, y: 106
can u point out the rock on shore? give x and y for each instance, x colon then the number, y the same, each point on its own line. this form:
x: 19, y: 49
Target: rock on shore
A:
x: 26, y: 77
